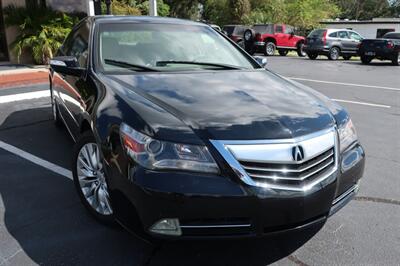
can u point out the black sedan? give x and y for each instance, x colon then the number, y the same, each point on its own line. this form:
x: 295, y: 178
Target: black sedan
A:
x: 181, y: 134
x: 385, y: 48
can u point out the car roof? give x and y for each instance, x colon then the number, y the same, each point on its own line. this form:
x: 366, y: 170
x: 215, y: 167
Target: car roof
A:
x: 144, y: 19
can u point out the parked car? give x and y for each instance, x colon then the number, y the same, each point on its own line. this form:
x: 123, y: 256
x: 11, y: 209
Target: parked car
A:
x: 386, y: 48
x: 235, y: 33
x: 269, y: 37
x: 215, y: 27
x: 332, y: 43
x: 194, y: 138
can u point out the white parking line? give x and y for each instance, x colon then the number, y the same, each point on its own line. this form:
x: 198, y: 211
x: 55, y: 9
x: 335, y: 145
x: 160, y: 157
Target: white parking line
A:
x: 36, y: 160
x: 24, y: 96
x: 363, y: 103
x: 346, y: 84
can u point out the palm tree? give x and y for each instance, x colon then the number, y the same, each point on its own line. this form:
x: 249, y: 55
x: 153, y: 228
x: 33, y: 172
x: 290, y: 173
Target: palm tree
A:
x: 42, y: 30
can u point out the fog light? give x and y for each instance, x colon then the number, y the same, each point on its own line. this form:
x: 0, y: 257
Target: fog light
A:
x: 167, y: 227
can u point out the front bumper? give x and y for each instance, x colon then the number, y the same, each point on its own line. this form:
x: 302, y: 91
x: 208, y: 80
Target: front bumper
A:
x: 222, y: 206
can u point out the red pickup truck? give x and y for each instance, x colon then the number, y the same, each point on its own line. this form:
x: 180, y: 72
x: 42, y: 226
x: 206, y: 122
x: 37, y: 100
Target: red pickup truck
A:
x: 267, y: 38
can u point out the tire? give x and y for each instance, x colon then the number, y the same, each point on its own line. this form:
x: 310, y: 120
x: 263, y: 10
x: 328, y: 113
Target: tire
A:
x: 248, y: 39
x: 312, y: 56
x: 56, y: 114
x: 269, y: 49
x: 347, y: 57
x: 366, y: 59
x: 283, y: 52
x: 248, y: 35
x: 396, y: 60
x: 300, y: 50
x: 334, y: 53
x: 87, y: 157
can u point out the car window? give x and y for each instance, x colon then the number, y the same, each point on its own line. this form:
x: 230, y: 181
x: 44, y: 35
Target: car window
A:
x: 289, y: 30
x: 229, y: 29
x: 343, y: 35
x: 355, y: 36
x: 279, y: 29
x: 316, y: 33
x: 149, y: 44
x: 392, y: 35
x: 77, y: 44
x: 239, y: 30
x: 264, y: 29
x: 333, y: 34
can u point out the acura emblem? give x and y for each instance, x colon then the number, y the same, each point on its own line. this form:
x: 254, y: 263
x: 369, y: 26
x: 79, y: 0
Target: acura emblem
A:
x: 298, y: 153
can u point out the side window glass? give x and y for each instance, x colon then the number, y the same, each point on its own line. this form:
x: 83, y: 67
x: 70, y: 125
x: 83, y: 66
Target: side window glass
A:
x: 355, y: 36
x: 289, y: 30
x: 343, y: 35
x: 333, y: 35
x: 279, y: 29
x: 79, y: 44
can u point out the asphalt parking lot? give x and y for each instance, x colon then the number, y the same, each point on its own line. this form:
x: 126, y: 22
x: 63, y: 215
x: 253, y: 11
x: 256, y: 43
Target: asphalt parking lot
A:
x: 42, y: 221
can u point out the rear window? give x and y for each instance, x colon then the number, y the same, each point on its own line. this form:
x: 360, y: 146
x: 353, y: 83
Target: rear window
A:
x: 392, y: 35
x: 229, y: 29
x: 317, y: 33
x: 264, y: 29
x: 333, y: 35
x: 239, y: 30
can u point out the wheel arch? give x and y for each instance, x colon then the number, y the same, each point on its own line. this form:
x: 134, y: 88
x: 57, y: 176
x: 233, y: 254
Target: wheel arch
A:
x: 270, y: 39
x: 299, y: 42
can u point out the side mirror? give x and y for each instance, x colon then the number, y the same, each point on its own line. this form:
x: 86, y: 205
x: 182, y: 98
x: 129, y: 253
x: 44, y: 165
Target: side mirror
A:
x: 67, y: 65
x: 292, y: 33
x: 262, y: 61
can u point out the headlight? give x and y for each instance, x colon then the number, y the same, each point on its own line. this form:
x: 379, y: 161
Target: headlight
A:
x: 163, y: 155
x: 347, y: 135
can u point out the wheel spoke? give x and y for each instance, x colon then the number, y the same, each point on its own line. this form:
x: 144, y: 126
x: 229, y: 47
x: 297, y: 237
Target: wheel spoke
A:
x: 84, y: 164
x: 91, y: 179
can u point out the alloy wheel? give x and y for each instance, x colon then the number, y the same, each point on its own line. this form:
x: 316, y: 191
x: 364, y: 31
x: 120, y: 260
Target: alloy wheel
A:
x: 334, y: 53
x: 270, y: 49
x: 92, y: 180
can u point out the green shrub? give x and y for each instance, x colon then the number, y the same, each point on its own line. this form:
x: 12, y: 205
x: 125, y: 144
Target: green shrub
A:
x: 41, y: 30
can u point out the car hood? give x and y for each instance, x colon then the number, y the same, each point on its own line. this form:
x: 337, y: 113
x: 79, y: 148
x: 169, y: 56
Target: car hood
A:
x: 231, y: 105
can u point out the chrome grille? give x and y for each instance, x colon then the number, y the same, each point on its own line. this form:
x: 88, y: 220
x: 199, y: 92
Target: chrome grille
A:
x: 270, y: 163
x: 292, y: 173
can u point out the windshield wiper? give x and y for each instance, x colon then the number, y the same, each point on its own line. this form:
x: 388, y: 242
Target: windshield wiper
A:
x: 165, y: 63
x: 128, y: 65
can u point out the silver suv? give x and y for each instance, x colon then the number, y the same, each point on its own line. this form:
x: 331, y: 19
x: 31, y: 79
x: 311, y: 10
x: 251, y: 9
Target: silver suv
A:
x: 332, y: 43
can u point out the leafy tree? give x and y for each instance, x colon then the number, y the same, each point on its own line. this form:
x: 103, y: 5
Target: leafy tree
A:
x: 216, y: 11
x: 304, y: 14
x: 162, y: 8
x: 41, y: 30
x: 188, y: 9
x: 395, y: 8
x: 122, y: 7
x: 238, y: 9
x: 307, y: 14
x: 363, y: 9
x: 267, y: 11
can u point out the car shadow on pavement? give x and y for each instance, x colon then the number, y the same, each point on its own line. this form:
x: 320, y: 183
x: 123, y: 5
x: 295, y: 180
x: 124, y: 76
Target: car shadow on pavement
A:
x: 44, y: 222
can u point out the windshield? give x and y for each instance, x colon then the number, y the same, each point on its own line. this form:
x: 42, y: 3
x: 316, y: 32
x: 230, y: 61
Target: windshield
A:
x: 166, y: 47
x: 263, y: 29
x: 316, y: 33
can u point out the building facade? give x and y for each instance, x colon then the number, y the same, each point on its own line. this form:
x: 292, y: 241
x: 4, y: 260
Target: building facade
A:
x: 369, y: 29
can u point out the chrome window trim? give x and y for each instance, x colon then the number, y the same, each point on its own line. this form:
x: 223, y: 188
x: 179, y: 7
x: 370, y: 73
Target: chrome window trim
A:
x: 221, y: 146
